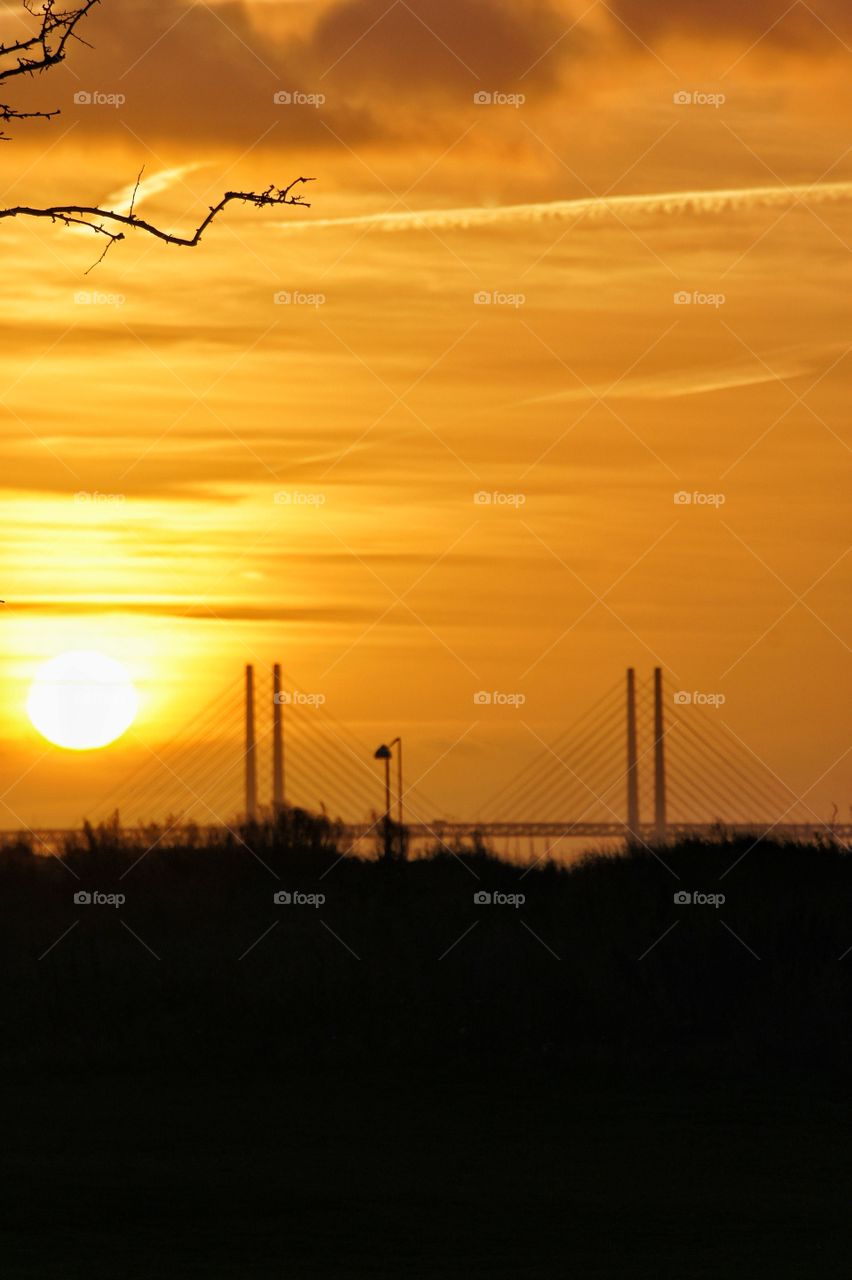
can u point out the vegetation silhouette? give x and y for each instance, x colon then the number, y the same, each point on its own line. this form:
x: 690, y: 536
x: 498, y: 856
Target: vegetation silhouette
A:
x: 599, y: 965
x: 400, y: 1081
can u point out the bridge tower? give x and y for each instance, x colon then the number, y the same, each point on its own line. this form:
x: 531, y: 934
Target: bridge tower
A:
x: 632, y: 760
x: 659, y: 758
x: 251, y: 760
x: 277, y: 743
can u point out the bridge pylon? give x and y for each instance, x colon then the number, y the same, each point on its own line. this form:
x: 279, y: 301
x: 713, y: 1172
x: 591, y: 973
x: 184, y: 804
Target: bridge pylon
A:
x: 251, y: 759
x: 659, y: 758
x: 277, y: 742
x: 632, y: 760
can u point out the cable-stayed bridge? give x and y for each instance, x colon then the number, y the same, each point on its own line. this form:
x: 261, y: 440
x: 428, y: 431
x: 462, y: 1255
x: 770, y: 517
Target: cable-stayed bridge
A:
x: 639, y: 763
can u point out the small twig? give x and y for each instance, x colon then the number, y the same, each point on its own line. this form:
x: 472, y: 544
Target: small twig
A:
x: 99, y: 260
x: 135, y: 190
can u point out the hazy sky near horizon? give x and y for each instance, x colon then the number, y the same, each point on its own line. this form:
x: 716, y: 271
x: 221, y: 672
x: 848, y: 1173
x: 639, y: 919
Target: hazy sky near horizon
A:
x: 280, y: 436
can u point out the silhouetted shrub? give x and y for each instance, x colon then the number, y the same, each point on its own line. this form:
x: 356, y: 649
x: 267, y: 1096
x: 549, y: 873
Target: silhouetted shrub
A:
x: 383, y: 961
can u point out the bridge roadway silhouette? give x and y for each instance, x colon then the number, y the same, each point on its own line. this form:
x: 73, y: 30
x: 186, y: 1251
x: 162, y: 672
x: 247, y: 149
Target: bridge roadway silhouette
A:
x: 51, y: 841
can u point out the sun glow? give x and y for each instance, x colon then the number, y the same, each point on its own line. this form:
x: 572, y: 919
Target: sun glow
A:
x: 82, y: 700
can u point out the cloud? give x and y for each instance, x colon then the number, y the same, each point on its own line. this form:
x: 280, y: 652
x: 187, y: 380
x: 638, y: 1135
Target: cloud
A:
x: 216, y: 610
x: 166, y: 69
x: 390, y: 73
x: 822, y: 26
x: 439, y: 48
x: 211, y: 73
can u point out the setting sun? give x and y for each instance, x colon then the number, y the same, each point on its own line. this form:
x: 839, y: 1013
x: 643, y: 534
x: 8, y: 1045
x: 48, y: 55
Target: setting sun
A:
x: 82, y: 700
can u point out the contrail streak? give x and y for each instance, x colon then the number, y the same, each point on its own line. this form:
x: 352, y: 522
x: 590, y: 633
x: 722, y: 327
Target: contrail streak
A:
x: 592, y: 209
x: 152, y: 184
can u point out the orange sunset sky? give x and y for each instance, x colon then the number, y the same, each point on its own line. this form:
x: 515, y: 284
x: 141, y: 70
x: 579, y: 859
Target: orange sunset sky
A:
x: 628, y: 153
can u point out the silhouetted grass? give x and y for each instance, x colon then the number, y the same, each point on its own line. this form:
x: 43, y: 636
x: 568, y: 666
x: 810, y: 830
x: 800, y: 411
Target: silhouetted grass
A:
x: 402, y: 1082
x: 599, y: 967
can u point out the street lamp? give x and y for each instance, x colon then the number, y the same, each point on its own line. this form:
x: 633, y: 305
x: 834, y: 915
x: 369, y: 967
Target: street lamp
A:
x: 397, y: 742
x: 384, y: 753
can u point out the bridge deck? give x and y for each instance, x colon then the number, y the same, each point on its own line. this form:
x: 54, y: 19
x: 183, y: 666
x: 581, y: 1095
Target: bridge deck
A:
x: 51, y: 841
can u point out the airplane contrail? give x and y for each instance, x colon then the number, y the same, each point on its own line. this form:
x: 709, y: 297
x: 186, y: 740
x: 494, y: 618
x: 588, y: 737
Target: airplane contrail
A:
x: 152, y: 184
x: 592, y: 208
x: 695, y: 381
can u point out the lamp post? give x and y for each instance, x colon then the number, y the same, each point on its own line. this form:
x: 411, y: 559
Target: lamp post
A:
x: 384, y: 753
x: 397, y: 742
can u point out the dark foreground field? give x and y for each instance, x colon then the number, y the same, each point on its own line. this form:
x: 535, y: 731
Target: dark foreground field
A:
x: 401, y: 1081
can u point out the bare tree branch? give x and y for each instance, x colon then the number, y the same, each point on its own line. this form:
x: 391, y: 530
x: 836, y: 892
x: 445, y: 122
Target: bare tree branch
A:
x: 45, y: 49
x: 40, y: 51
x: 94, y: 218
